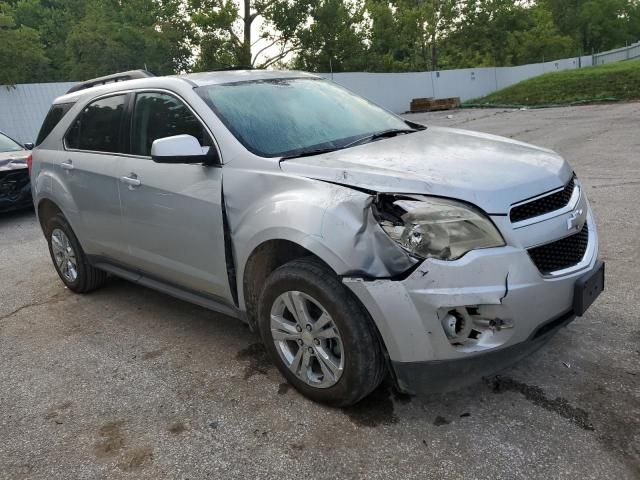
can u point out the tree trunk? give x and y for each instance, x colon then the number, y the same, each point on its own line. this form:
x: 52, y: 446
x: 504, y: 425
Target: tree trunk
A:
x: 247, y: 20
x: 434, y: 55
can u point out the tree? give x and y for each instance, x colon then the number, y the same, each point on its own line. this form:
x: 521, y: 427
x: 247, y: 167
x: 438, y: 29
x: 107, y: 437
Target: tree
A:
x: 334, y: 40
x: 406, y: 34
x: 21, y: 50
x: 128, y: 35
x: 226, y: 33
x: 539, y: 40
x: 53, y: 19
x: 595, y: 25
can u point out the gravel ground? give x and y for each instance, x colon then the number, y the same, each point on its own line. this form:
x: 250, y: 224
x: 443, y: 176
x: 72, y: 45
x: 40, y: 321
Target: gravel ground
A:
x: 130, y: 383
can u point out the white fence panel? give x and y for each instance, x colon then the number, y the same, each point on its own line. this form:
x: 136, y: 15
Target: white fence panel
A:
x: 23, y: 107
x: 389, y: 90
x: 618, y: 55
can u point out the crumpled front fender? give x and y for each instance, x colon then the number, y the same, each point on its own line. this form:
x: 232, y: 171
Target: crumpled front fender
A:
x: 332, y: 221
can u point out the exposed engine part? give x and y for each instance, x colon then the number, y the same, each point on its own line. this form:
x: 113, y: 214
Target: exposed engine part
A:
x: 457, y: 325
x: 475, y: 327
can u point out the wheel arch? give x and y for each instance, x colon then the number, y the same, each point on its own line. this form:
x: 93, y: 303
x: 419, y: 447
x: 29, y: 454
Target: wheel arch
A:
x: 272, y: 254
x: 261, y: 262
x: 46, y: 209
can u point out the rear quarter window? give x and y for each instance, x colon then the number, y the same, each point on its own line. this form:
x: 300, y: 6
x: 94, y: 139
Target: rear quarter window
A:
x: 98, y: 127
x: 56, y: 113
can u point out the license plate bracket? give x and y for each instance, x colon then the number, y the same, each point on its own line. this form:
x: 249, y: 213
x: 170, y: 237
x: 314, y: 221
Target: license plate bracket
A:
x: 588, y: 287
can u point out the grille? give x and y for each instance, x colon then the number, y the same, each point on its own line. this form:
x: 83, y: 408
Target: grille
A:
x: 564, y: 253
x: 543, y: 205
x: 12, y: 181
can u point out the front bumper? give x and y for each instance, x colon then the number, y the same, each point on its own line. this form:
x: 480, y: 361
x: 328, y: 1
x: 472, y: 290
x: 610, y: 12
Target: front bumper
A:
x: 15, y: 190
x: 439, y: 376
x: 520, y: 308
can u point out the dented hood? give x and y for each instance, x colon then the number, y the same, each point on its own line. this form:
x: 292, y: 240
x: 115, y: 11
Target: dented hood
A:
x: 486, y: 170
x: 13, y: 160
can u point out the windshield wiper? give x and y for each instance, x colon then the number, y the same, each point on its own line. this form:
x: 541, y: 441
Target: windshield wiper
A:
x: 384, y: 134
x: 366, y: 139
x: 309, y: 153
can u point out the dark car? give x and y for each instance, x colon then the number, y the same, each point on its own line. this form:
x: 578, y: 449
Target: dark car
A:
x: 15, y: 187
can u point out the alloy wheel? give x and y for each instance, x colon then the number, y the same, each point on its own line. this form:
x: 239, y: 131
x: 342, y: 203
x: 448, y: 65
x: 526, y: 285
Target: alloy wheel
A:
x: 307, y: 339
x: 64, y: 255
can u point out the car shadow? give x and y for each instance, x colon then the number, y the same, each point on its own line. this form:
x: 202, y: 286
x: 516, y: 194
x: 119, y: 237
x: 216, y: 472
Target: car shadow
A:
x: 16, y: 215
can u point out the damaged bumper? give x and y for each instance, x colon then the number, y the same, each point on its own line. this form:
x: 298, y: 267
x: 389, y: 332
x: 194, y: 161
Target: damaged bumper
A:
x: 15, y: 190
x: 444, y: 375
x: 451, y: 322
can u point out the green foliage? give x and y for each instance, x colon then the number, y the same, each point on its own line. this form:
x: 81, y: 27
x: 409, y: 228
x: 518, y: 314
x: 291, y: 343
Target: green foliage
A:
x: 49, y: 40
x: 21, y: 49
x: 596, y: 25
x: 127, y: 35
x: 226, y: 31
x: 332, y: 43
x: 619, y: 81
x: 53, y: 40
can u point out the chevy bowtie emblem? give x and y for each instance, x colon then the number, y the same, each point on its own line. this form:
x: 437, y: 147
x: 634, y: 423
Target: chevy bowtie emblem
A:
x: 573, y: 222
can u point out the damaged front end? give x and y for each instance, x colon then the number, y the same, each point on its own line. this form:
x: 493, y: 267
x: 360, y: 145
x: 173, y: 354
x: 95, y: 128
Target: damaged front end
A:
x: 472, y: 306
x: 433, y: 227
x: 15, y: 186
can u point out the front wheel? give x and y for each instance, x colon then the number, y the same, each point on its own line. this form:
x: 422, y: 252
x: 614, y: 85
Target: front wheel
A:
x: 318, y: 335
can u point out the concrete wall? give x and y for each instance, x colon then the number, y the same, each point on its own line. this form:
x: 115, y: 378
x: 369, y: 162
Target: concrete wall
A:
x: 619, y: 54
x: 394, y: 91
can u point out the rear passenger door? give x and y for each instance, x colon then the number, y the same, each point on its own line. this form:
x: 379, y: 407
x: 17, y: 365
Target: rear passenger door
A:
x: 89, y: 172
x: 172, y: 213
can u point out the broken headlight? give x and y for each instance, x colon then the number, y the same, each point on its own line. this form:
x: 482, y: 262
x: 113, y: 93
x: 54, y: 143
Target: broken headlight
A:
x: 437, y: 228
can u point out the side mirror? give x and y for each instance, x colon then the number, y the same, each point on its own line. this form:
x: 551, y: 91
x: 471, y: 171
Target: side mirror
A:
x: 29, y: 145
x: 182, y: 149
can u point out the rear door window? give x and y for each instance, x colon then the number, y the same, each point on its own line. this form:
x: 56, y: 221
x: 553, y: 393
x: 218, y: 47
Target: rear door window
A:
x: 160, y: 115
x: 52, y: 119
x: 98, y: 128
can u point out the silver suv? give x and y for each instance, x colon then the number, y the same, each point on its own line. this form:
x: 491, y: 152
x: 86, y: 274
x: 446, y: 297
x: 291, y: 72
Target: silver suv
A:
x: 358, y: 244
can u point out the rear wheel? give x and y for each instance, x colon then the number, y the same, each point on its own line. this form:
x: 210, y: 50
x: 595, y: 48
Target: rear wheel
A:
x: 318, y: 335
x: 69, y: 259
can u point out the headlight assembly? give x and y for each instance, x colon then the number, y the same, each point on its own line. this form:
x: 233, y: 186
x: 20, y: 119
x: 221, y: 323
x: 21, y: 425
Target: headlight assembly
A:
x: 432, y: 227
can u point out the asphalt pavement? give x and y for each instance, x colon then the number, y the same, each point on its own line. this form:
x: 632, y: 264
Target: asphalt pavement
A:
x: 130, y: 383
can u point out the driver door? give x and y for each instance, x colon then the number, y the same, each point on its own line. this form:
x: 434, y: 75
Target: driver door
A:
x: 172, y: 213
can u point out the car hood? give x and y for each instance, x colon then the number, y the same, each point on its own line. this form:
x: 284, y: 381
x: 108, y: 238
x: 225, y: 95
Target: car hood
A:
x: 13, y: 160
x: 488, y: 171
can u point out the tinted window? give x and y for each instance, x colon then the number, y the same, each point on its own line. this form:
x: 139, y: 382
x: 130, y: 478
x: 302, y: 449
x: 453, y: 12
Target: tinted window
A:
x: 53, y: 118
x: 278, y: 117
x: 8, y: 145
x: 97, y: 128
x: 158, y: 115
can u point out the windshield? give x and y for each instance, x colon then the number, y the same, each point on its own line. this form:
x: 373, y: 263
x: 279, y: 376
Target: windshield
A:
x: 282, y: 117
x: 8, y: 145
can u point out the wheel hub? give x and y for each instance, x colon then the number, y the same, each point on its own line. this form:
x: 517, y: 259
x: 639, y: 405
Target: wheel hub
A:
x: 63, y: 255
x: 307, y: 339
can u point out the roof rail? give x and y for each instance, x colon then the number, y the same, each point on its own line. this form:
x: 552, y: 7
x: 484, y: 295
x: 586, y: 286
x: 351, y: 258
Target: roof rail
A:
x: 227, y: 68
x: 116, y: 77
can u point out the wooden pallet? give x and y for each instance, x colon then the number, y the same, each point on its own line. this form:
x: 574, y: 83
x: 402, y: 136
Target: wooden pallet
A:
x: 432, y: 105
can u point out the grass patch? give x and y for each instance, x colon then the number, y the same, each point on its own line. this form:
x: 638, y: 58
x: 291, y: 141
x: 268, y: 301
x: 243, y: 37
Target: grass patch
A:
x: 617, y: 81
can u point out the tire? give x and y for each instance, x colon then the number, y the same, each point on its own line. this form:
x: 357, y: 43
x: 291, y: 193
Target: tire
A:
x: 60, y: 236
x: 353, y: 344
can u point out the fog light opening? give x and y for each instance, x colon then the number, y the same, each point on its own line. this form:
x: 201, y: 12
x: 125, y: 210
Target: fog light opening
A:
x: 457, y: 326
x: 475, y: 327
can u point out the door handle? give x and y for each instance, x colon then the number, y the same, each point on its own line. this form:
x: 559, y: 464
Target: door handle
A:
x: 132, y: 180
x: 68, y: 165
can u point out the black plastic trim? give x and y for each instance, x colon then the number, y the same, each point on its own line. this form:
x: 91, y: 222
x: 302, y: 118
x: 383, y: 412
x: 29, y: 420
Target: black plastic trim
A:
x: 116, y: 77
x: 206, y: 300
x: 445, y: 375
